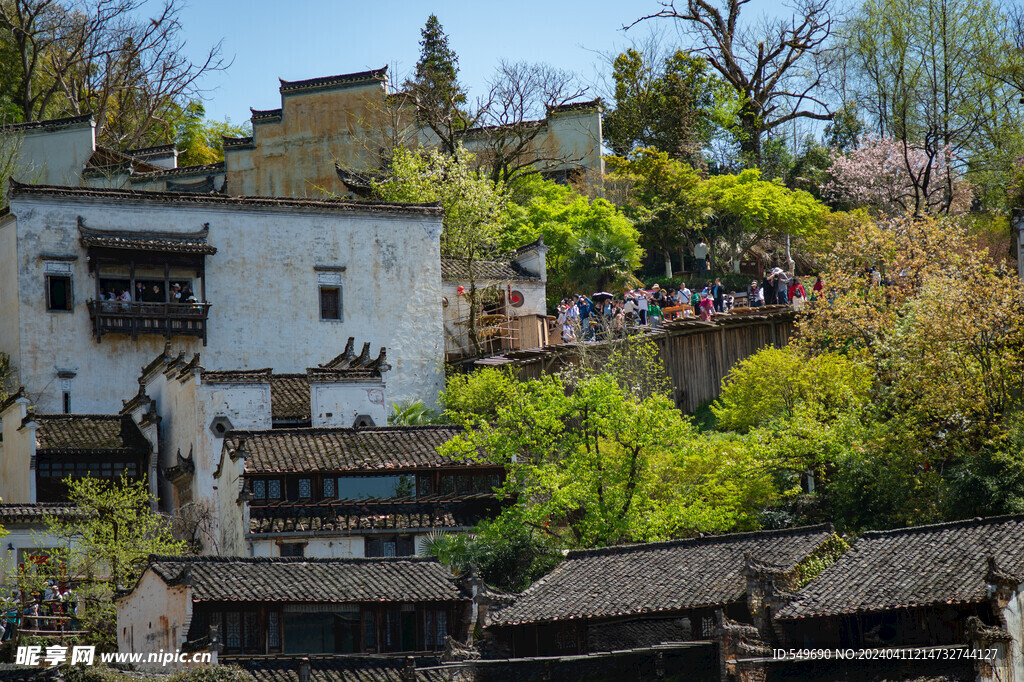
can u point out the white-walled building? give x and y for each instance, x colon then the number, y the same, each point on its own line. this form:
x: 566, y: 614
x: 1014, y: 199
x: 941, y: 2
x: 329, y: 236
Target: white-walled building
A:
x: 198, y: 408
x: 341, y: 492
x: 511, y: 301
x: 277, y: 282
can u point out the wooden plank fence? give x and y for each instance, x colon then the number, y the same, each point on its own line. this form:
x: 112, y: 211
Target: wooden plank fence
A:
x: 696, y: 354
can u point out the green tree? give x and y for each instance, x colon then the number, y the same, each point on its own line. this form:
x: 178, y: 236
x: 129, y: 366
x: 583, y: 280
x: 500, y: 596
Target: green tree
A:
x: 597, y: 466
x: 105, y: 547
x: 440, y: 99
x: 474, y: 210
x: 770, y: 64
x: 743, y: 211
x: 662, y: 200
x: 774, y: 383
x: 199, y: 140
x: 925, y: 74
x: 673, y: 107
x: 593, y: 246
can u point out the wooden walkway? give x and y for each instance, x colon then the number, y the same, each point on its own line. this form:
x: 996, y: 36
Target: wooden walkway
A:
x: 697, y: 354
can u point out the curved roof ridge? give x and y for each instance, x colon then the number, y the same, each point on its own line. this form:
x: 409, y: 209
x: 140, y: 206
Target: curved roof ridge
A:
x: 707, y: 539
x: 962, y: 523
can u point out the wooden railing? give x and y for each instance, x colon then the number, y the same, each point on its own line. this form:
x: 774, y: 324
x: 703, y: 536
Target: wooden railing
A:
x: 133, y: 318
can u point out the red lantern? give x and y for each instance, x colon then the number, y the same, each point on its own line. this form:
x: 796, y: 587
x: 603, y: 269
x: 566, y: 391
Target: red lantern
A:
x: 461, y: 290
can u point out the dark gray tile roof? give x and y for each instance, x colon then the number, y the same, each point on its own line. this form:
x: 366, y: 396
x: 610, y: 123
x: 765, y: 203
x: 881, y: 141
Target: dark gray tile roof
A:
x: 457, y: 270
x: 52, y: 123
x: 651, y: 578
x: 320, y: 449
x: 328, y: 669
x: 944, y: 563
x: 34, y: 512
x: 172, y: 242
x: 200, y: 169
x: 62, y: 192
x: 344, y: 79
x: 247, y: 579
x: 352, y: 516
x: 289, y: 397
x: 79, y: 433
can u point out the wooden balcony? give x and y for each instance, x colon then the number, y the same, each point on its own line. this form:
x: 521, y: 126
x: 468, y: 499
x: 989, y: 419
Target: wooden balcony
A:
x: 161, y: 319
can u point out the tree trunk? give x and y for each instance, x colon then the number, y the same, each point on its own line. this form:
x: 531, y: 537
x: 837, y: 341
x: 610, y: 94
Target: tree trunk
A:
x: 668, y: 263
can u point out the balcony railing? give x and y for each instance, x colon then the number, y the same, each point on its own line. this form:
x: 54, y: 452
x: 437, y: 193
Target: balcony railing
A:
x: 164, y: 319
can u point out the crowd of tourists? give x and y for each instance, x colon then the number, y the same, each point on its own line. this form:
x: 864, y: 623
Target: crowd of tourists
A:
x: 53, y: 609
x: 587, y: 318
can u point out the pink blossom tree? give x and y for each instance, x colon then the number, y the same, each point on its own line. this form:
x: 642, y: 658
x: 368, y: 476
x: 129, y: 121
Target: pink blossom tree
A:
x: 892, y: 177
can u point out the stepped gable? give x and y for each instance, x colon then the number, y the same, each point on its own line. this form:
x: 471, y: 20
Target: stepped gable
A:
x: 663, y: 576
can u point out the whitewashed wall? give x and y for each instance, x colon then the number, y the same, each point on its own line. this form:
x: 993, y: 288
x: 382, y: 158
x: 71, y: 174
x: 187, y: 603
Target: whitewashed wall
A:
x: 261, y: 284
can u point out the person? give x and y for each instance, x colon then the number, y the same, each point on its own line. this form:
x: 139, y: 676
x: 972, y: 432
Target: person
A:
x: 707, y: 306
x: 718, y: 293
x: 654, y: 314
x: 753, y: 294
x: 781, y: 287
x: 700, y: 252
x: 797, y: 294
x: 658, y: 296
x: 818, y: 288
x: 175, y: 293
x: 683, y: 295
x: 768, y: 289
x: 642, y: 305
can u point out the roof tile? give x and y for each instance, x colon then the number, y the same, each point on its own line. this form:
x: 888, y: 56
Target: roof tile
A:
x: 664, y: 576
x: 942, y: 563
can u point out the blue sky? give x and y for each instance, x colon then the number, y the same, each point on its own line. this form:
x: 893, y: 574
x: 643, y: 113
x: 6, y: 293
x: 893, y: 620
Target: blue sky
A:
x: 300, y: 39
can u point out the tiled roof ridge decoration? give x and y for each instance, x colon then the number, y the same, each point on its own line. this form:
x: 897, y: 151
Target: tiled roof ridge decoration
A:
x: 51, y: 123
x: 700, y: 540
x: 313, y: 430
x: 210, y: 559
x: 237, y: 142
x: 585, y: 105
x: 23, y: 189
x: 962, y: 523
x: 237, y: 376
x: 197, y: 169
x: 343, y: 79
x: 347, y: 360
x: 265, y: 115
x: 155, y: 149
x: 22, y: 511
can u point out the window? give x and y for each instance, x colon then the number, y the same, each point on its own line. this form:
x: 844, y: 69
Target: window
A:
x: 293, y: 549
x: 390, y: 545
x: 274, y: 488
x: 58, y: 292
x: 305, y: 488
x: 252, y: 630
x: 329, y: 283
x: 436, y: 628
x: 273, y: 630
x: 67, y: 402
x: 330, y: 303
x: 329, y: 488
x: 233, y: 630
x: 259, y: 490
